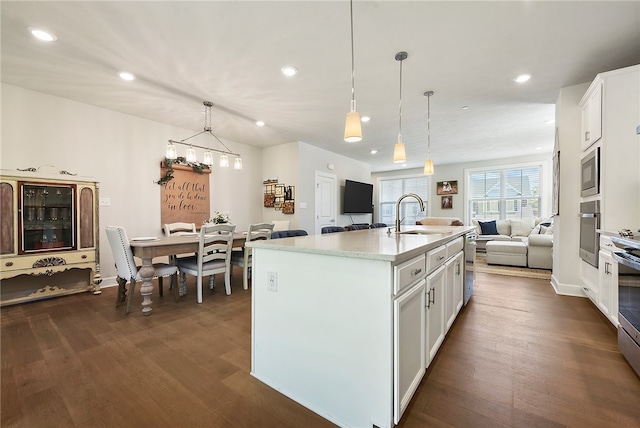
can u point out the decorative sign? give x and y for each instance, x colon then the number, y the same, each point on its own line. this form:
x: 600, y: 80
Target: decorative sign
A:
x: 186, y: 198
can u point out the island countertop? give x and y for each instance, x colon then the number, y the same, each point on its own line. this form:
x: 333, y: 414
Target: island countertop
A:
x: 373, y: 244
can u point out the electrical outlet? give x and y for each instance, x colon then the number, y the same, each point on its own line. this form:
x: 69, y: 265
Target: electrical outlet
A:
x: 272, y: 281
x: 105, y: 202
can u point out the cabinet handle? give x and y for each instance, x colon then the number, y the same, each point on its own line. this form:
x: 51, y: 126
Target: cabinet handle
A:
x: 84, y: 256
x: 587, y: 135
x: 458, y: 268
x: 440, y: 257
x: 432, y: 294
x: 8, y: 264
x: 416, y: 271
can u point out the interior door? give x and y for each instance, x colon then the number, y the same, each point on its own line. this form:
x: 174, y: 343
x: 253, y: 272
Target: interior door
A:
x: 326, y: 206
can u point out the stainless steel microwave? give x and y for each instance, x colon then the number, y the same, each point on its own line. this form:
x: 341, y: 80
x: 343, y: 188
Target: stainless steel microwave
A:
x: 590, y: 173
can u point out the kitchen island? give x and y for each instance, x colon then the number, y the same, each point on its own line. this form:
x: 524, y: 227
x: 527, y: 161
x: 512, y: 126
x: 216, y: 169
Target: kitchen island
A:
x: 346, y: 324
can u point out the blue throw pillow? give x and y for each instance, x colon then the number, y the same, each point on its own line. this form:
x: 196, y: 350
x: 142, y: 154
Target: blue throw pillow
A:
x: 488, y: 227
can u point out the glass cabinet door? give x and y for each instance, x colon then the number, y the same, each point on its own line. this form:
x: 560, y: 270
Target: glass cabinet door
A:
x: 47, y: 218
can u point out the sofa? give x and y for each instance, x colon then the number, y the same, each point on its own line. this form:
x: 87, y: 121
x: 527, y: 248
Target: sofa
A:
x: 439, y: 221
x: 533, y: 238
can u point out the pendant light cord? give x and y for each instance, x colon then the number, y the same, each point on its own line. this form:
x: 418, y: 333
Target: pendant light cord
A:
x: 353, y: 88
x: 400, y: 107
x: 428, y: 125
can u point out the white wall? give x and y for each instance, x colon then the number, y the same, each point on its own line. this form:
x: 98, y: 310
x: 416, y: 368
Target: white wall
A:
x: 281, y: 162
x: 453, y: 172
x: 123, y: 153
x: 312, y: 159
x: 566, y: 229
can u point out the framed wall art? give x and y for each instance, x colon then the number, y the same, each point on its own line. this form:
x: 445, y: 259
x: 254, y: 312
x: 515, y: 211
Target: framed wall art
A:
x: 447, y: 187
x: 446, y: 202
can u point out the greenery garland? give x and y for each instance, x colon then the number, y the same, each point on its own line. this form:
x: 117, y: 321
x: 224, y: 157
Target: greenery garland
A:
x: 180, y: 160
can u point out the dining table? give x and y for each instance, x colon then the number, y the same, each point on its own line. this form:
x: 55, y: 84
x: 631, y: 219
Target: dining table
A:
x: 148, y: 248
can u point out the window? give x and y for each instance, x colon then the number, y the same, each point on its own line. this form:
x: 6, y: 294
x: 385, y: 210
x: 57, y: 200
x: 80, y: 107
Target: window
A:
x: 392, y: 189
x: 504, y: 194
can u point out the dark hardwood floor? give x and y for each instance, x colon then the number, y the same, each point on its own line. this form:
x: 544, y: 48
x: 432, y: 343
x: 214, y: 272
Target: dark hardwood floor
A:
x: 517, y: 356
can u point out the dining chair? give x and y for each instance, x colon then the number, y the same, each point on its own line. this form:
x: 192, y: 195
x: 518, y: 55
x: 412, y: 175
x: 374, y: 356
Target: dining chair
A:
x: 277, y: 234
x: 179, y: 228
x: 378, y: 225
x: 332, y: 229
x: 213, y: 256
x: 127, y: 269
x: 359, y: 226
x: 243, y: 258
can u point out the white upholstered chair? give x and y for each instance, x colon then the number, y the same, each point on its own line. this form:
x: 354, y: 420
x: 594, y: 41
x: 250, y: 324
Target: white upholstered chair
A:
x: 127, y: 268
x: 213, y: 256
x: 243, y: 258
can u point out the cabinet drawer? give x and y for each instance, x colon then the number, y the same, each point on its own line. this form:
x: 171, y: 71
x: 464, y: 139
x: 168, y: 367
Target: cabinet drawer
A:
x: 436, y: 257
x: 408, y: 272
x: 606, y: 244
x: 40, y: 260
x: 454, y: 247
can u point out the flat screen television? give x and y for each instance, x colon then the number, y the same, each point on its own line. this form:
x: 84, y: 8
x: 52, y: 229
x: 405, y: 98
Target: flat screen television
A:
x: 358, y: 197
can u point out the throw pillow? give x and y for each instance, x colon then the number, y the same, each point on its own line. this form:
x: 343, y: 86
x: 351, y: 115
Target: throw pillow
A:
x: 522, y: 227
x: 488, y: 227
x: 547, y: 230
x: 535, y: 230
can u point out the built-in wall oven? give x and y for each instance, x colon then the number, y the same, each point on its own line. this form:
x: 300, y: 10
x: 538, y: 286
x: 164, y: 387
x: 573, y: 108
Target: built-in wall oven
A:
x: 629, y: 298
x: 589, y: 236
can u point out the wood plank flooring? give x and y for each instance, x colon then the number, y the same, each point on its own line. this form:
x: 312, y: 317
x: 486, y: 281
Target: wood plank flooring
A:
x: 517, y: 356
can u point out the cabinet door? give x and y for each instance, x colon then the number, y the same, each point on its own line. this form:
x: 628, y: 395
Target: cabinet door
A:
x: 608, y: 283
x: 7, y: 218
x: 453, y: 289
x: 435, y: 311
x: 449, y: 299
x: 458, y: 282
x: 592, y: 118
x: 409, y: 346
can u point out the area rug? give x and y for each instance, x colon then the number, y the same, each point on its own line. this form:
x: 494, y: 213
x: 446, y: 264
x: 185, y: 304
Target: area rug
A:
x: 482, y: 266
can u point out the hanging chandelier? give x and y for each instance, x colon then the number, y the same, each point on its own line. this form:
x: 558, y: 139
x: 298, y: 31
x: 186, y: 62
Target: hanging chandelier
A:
x: 353, y: 126
x: 172, y: 152
x: 399, y: 154
x: 428, y: 164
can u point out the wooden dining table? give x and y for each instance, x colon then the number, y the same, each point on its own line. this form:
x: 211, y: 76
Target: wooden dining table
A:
x: 148, y: 249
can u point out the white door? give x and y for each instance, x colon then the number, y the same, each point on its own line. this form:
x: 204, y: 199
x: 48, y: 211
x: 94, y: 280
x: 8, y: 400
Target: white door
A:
x: 326, y: 207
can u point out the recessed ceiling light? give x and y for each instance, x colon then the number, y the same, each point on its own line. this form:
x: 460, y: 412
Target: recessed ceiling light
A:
x: 522, y: 78
x: 260, y: 123
x: 404, y: 165
x: 550, y: 121
x: 365, y: 118
x: 538, y: 148
x: 41, y: 34
x: 465, y: 107
x: 125, y: 75
x: 289, y: 71
x: 373, y: 151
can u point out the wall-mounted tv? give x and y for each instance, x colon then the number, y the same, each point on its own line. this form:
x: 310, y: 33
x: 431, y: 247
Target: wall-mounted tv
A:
x: 358, y: 197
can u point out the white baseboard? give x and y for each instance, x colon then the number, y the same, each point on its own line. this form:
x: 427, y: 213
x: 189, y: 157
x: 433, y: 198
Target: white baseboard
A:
x: 566, y: 289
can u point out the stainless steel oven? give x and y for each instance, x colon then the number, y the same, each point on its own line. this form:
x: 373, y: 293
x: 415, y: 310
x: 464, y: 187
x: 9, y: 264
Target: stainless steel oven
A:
x: 590, y: 173
x: 589, y: 236
x: 629, y: 298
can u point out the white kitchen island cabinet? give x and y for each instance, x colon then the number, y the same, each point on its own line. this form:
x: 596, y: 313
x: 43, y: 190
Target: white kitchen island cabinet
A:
x: 338, y: 320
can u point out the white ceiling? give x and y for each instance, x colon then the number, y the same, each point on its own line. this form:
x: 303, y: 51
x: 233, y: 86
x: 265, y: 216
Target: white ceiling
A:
x: 231, y: 53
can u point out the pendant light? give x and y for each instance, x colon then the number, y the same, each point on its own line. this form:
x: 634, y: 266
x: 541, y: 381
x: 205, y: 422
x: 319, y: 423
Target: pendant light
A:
x: 352, y: 126
x: 172, y: 152
x: 428, y: 164
x: 399, y: 154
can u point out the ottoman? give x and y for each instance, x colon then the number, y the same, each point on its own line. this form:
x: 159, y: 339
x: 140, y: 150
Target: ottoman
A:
x: 512, y: 253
